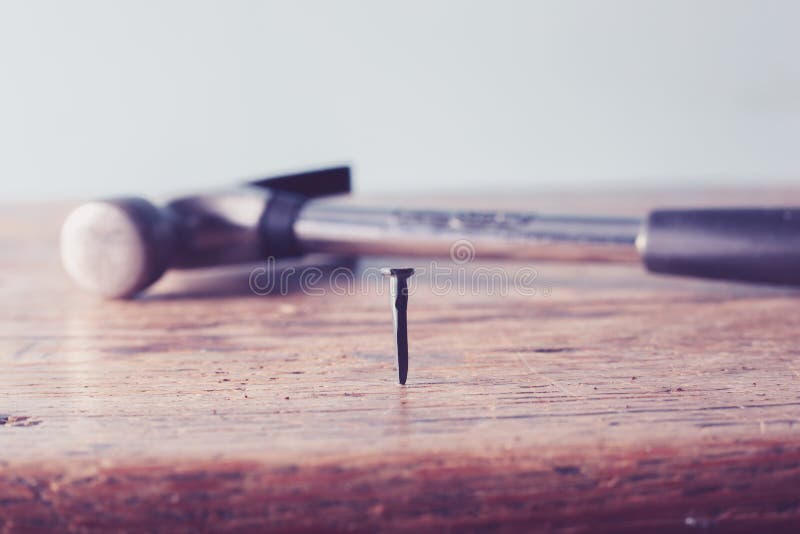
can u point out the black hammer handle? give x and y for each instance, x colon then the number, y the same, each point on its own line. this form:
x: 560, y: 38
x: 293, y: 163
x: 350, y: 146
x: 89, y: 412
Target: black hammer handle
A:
x: 754, y: 245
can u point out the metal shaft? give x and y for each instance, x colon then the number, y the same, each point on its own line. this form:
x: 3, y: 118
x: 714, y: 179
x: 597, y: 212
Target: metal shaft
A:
x: 398, y: 294
x: 330, y: 226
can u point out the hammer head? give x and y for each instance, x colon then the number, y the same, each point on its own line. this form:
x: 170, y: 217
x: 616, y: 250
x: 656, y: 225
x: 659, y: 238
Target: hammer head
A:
x: 117, y: 247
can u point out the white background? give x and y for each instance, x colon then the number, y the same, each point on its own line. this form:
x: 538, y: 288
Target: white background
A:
x: 109, y: 97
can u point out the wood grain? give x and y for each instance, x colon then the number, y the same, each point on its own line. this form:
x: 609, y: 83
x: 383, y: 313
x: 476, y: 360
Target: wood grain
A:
x: 609, y: 400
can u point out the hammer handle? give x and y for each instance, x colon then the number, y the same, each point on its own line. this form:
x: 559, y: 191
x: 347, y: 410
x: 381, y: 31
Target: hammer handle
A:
x: 752, y: 245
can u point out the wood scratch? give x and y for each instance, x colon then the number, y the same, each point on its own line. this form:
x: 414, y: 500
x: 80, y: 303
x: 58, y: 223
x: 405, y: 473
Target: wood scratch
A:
x: 24, y: 349
x: 548, y: 379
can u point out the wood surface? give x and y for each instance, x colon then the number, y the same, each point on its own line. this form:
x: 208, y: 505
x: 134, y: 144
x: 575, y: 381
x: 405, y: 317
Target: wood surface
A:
x: 610, y: 400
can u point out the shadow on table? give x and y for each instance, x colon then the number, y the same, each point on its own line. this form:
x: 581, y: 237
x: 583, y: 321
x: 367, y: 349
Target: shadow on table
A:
x: 284, y: 277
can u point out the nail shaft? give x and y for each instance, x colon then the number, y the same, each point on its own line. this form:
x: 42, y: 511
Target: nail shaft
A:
x: 398, y: 293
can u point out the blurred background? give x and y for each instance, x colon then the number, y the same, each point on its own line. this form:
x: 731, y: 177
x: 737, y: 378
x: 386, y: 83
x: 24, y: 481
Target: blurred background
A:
x: 102, y: 98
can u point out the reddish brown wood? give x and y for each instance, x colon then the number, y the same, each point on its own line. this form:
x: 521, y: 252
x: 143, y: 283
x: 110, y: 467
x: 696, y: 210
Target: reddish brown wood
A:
x: 612, y: 400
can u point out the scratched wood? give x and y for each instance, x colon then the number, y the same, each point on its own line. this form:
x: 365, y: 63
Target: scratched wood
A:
x: 599, y: 398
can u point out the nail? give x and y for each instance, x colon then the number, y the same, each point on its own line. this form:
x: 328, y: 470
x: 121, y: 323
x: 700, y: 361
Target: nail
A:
x: 398, y: 292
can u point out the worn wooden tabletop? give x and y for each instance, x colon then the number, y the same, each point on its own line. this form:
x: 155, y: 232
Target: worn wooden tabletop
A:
x: 596, y: 397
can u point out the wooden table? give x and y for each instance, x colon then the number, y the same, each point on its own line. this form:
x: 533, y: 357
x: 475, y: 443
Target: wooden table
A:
x: 609, y: 400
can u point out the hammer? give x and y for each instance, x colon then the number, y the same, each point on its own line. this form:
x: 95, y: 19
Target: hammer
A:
x: 119, y: 247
